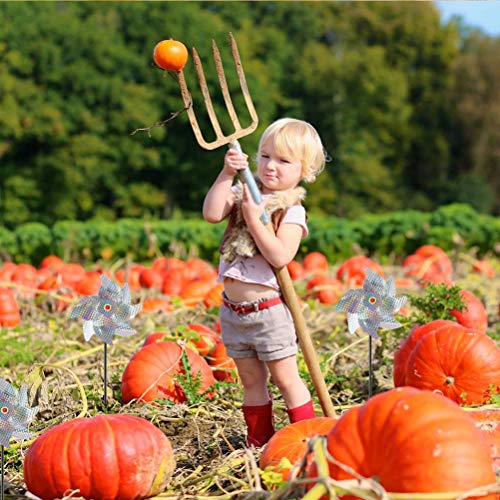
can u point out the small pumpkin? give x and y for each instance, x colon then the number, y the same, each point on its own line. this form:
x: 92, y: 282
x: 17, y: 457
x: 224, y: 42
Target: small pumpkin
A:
x: 207, y: 338
x: 296, y: 270
x: 352, y: 271
x: 223, y: 366
x: 151, y: 278
x: 315, y: 262
x: 462, y: 364
x: 213, y: 297
x: 413, y: 441
x: 194, y: 291
x: 110, y: 457
x: 9, y: 310
x: 290, y: 443
x: 153, y: 370
x: 170, y: 54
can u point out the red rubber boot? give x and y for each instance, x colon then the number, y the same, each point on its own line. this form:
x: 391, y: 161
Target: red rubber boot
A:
x: 302, y: 412
x: 260, y: 426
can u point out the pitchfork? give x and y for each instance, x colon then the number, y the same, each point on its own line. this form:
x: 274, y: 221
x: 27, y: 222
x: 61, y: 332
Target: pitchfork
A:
x: 282, y: 274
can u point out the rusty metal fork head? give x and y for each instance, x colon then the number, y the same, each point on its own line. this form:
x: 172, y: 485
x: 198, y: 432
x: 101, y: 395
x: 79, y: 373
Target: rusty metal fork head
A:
x: 239, y: 132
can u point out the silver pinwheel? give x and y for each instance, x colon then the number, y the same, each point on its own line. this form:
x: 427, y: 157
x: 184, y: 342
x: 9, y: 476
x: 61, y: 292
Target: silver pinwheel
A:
x: 370, y: 308
x: 15, y: 413
x: 373, y: 306
x: 108, y: 313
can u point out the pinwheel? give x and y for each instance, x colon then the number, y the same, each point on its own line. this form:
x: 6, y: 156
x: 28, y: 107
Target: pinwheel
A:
x: 15, y: 415
x: 371, y: 307
x: 107, y: 314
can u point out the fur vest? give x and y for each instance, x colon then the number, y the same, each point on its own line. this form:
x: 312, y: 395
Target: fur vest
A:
x: 237, y: 240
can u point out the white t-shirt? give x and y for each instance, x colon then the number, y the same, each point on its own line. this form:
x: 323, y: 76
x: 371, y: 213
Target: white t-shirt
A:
x: 256, y: 269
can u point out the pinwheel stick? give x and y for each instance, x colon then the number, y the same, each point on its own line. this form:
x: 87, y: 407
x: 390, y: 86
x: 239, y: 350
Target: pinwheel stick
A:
x: 2, y: 473
x: 105, y: 374
x: 370, y: 368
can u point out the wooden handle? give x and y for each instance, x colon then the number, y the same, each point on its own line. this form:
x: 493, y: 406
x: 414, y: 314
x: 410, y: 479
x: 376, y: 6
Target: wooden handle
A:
x: 305, y: 341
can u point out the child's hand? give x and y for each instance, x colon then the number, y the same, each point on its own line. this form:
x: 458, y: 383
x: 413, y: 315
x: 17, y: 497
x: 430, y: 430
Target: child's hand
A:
x: 234, y: 162
x: 251, y: 211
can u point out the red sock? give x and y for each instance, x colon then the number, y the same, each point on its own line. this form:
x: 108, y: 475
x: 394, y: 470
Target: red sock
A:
x: 260, y: 426
x: 302, y: 412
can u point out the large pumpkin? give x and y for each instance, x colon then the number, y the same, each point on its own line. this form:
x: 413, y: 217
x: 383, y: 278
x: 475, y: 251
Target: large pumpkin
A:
x: 488, y: 422
x: 401, y: 355
x: 9, y: 310
x: 291, y: 443
x: 153, y: 373
x: 108, y: 457
x: 411, y: 441
x: 474, y: 314
x: 462, y: 364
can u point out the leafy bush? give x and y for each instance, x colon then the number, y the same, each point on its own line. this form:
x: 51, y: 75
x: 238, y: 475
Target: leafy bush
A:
x: 396, y: 233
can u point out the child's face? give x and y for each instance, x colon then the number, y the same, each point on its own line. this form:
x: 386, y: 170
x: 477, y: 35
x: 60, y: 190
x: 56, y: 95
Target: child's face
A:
x: 278, y: 172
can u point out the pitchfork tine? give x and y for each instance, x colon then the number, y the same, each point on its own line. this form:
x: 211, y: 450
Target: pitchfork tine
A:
x: 206, y: 95
x: 242, y: 79
x: 223, y: 85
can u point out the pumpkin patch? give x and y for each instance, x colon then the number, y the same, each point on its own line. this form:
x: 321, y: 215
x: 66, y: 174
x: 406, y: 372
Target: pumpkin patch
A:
x: 176, y: 374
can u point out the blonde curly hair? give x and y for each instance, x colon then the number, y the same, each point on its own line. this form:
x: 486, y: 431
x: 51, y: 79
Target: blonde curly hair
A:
x: 299, y: 138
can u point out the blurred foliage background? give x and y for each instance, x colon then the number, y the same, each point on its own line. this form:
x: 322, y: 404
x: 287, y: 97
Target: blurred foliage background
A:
x: 408, y: 108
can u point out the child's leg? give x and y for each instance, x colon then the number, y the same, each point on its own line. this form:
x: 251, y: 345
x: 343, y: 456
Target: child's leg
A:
x: 257, y: 407
x: 285, y: 375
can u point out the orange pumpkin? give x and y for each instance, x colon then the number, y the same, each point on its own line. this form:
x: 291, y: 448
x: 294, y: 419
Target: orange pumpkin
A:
x: 213, y: 297
x: 194, y: 292
x: 315, y: 262
x: 401, y: 355
x: 207, y: 339
x: 461, y: 363
x: 483, y: 267
x: 112, y: 457
x: 154, y: 370
x: 488, y: 422
x: 155, y: 304
x: 223, y: 366
x: 291, y: 442
x: 151, y: 278
x: 474, y: 314
x: 170, y: 54
x: 52, y: 262
x: 352, y: 271
x: 413, y: 441
x: 296, y: 270
x: 9, y: 310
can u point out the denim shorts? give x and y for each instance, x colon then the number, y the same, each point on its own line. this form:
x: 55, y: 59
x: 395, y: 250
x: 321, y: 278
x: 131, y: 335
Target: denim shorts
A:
x: 268, y: 334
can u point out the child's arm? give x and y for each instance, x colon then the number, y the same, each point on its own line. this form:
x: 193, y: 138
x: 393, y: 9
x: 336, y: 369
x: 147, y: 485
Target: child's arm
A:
x: 220, y: 200
x: 278, y: 249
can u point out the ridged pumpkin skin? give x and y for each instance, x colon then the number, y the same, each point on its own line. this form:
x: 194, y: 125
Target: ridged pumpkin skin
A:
x: 150, y: 373
x: 291, y: 442
x: 412, y: 441
x: 462, y: 364
x: 402, y: 354
x: 108, y: 457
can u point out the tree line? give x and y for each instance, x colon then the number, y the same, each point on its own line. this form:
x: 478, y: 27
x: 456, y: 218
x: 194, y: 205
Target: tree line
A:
x: 408, y: 108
